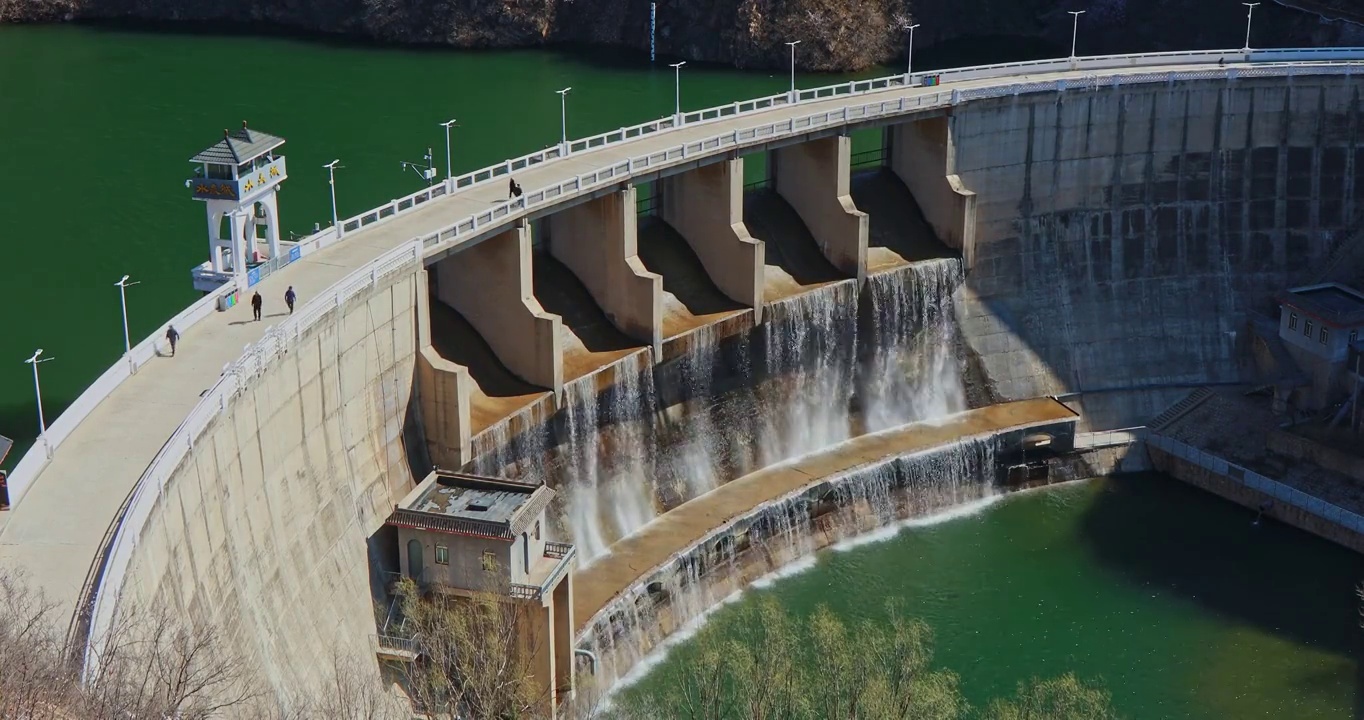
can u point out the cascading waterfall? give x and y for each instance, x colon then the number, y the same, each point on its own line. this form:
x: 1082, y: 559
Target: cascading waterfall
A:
x: 692, y: 467
x: 913, y: 372
x: 608, y: 493
x: 810, y: 344
x: 871, y: 496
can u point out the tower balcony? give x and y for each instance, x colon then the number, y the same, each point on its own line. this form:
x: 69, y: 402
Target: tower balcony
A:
x: 242, y: 188
x: 545, y: 572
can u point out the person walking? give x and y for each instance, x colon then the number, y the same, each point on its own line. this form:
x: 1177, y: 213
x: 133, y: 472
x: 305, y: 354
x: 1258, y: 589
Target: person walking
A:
x: 289, y: 298
x: 256, y: 303
x: 172, y: 336
x: 513, y: 190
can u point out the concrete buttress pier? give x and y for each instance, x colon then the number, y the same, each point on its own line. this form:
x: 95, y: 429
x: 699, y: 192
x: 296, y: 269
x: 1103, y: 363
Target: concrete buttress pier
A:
x: 598, y: 241
x: 706, y: 207
x: 491, y: 286
x: 815, y: 177
x: 924, y: 156
x: 444, y: 391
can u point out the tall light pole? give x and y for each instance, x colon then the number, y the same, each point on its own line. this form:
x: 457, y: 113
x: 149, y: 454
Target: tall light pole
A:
x: 38, y: 391
x: 123, y: 286
x: 447, y: 125
x: 1250, y: 13
x: 563, y: 119
x: 331, y: 180
x: 677, y: 91
x: 793, y: 45
x: 1075, y: 30
x: 909, y: 56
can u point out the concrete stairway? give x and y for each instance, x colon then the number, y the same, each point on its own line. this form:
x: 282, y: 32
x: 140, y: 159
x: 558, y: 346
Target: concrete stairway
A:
x: 1179, y: 409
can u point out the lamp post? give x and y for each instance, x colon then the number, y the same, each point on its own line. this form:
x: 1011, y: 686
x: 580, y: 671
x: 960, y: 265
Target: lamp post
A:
x: 331, y: 180
x: 38, y: 391
x: 123, y: 286
x: 1075, y: 30
x: 563, y: 119
x: 1250, y: 13
x: 447, y: 125
x: 677, y: 92
x: 909, y: 56
x: 793, y: 45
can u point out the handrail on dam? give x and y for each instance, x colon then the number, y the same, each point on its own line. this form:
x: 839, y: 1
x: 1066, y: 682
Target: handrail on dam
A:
x: 276, y: 340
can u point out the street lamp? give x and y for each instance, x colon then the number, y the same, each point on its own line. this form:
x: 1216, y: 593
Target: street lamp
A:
x: 38, y: 391
x: 1074, y: 30
x: 909, y: 56
x: 123, y: 286
x: 447, y: 125
x: 1250, y: 12
x: 793, y: 45
x: 563, y: 119
x: 331, y: 180
x: 677, y: 91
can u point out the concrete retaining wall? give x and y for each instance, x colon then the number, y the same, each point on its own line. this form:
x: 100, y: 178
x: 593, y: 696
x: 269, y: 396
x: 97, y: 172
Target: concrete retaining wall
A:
x: 264, y: 529
x: 490, y: 285
x: 597, y: 240
x: 814, y: 177
x: 922, y: 154
x: 1122, y: 232
x: 706, y: 207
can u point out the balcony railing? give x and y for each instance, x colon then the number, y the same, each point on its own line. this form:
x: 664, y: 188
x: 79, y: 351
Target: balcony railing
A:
x: 557, y: 550
x: 564, y: 553
x: 398, y: 644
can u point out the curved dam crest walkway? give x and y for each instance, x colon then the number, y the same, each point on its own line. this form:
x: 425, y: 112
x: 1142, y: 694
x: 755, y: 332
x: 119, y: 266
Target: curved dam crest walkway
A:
x: 64, y: 519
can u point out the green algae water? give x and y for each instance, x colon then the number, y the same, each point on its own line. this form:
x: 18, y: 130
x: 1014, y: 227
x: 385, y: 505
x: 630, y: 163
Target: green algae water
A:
x: 1168, y: 596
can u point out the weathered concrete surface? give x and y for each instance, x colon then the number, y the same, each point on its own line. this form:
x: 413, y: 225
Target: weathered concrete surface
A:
x: 597, y: 240
x: 1122, y: 234
x: 921, y: 154
x: 815, y: 178
x: 445, y: 391
x: 490, y: 285
x: 687, y: 524
x: 263, y: 530
x: 706, y: 206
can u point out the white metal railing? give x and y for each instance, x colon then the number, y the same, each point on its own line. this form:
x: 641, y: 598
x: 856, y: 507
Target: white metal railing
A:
x: 1255, y: 481
x: 1109, y: 438
x: 258, y: 356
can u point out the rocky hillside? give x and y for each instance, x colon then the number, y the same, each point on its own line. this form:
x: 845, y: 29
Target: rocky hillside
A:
x: 835, y: 34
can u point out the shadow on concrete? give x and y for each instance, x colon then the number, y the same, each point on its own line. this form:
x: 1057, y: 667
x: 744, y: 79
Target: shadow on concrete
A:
x: 790, y: 246
x: 894, y: 218
x: 667, y: 253
x: 457, y: 341
x: 560, y: 292
x: 1175, y: 538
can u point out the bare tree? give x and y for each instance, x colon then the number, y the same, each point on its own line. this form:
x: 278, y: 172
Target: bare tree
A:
x: 476, y: 654
x: 34, y: 682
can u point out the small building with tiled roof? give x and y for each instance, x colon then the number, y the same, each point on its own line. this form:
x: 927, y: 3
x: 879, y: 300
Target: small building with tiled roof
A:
x: 1321, y: 328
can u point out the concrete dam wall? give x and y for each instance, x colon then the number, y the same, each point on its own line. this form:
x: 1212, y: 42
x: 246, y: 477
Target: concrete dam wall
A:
x: 264, y: 529
x: 1120, y: 235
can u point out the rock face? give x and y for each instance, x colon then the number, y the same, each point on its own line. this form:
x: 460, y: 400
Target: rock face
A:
x: 834, y: 34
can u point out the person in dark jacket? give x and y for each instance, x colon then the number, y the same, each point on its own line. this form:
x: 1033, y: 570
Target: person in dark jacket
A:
x: 172, y: 337
x: 256, y: 303
x: 289, y: 298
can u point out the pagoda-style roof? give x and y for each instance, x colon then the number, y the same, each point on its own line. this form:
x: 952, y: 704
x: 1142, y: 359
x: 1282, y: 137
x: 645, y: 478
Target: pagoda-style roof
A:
x: 238, y: 146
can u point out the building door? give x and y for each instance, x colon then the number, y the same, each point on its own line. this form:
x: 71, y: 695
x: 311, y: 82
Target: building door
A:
x: 414, y: 559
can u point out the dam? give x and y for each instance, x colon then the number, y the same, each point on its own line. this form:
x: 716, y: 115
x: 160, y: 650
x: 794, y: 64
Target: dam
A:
x: 640, y: 331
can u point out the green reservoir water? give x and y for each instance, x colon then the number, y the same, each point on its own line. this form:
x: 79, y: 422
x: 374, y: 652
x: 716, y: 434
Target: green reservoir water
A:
x: 98, y: 125
x: 1168, y: 596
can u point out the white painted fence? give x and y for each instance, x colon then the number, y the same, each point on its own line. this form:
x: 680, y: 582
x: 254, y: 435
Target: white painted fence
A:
x: 258, y: 356
x: 1255, y: 481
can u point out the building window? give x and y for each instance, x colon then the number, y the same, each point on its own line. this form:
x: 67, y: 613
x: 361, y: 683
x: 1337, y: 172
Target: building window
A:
x: 489, y: 562
x: 442, y: 555
x: 537, y: 529
x: 1307, y: 328
x: 1292, y: 321
x: 1354, y: 336
x: 1325, y: 335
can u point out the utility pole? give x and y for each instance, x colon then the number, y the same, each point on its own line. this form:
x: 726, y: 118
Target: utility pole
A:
x: 123, y: 286
x: 38, y: 391
x: 563, y: 120
x: 447, y: 125
x: 331, y: 180
x: 677, y: 92
x: 909, y: 55
x: 793, y: 45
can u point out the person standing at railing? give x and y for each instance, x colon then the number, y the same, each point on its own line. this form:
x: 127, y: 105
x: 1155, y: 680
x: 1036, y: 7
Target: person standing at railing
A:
x: 256, y: 303
x: 172, y: 337
x: 289, y: 298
